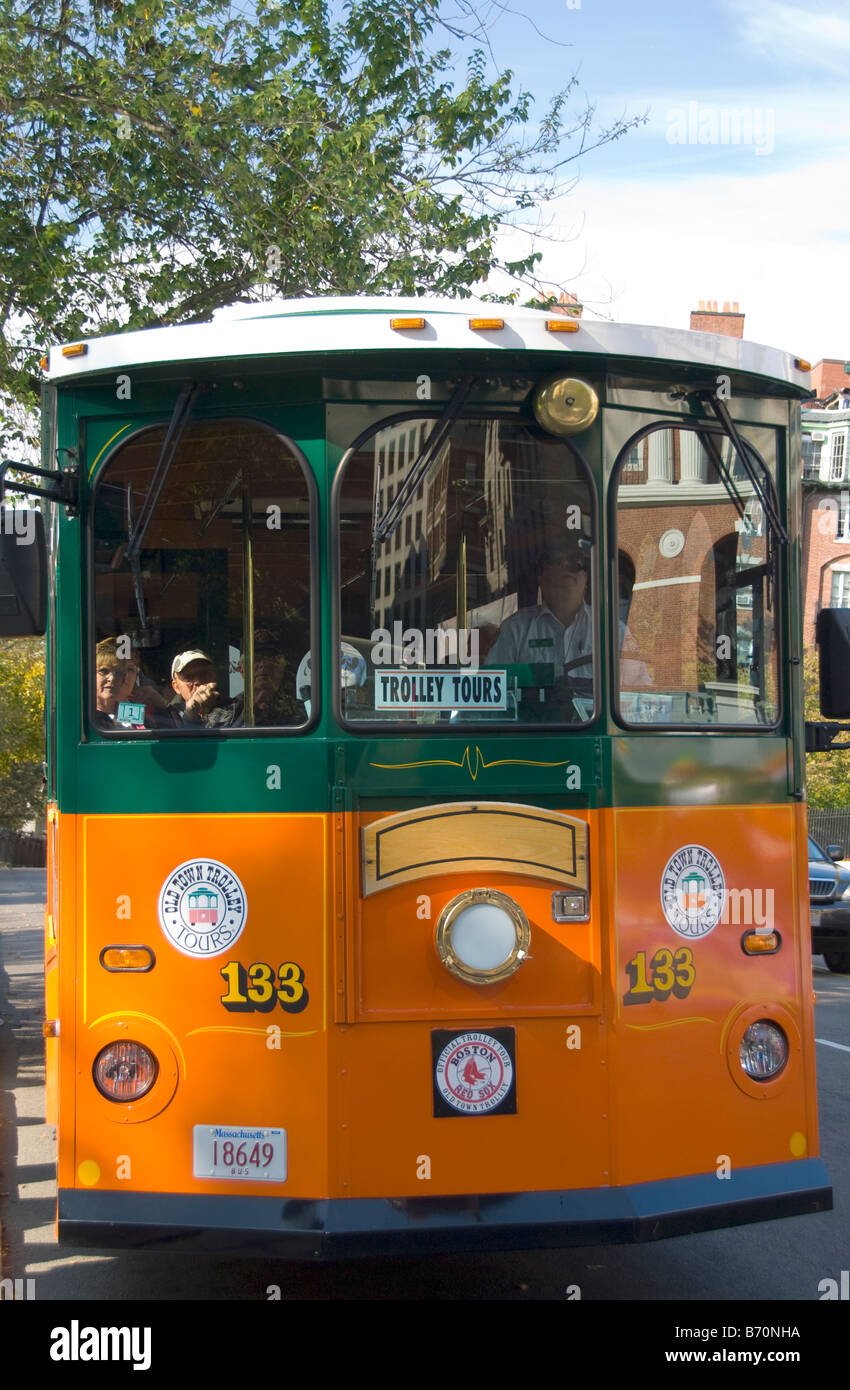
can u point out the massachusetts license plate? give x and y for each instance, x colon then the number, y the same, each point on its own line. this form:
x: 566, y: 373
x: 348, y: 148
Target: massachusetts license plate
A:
x: 238, y: 1151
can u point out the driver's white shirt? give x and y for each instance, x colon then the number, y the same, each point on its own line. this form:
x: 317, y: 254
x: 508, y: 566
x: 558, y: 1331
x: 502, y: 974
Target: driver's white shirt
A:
x: 535, y: 634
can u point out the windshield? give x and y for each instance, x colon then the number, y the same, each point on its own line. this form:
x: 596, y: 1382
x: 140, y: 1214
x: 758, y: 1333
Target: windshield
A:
x: 472, y: 600
x: 698, y: 583
x: 201, y: 583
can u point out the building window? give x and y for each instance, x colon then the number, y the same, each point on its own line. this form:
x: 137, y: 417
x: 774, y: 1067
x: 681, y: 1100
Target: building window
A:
x: 836, y: 458
x: 842, y: 532
x: 811, y: 457
x: 840, y: 595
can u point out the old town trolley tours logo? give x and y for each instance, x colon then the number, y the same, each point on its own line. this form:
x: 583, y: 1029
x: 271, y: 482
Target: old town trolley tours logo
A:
x: 202, y: 907
x: 693, y: 891
x: 474, y: 1072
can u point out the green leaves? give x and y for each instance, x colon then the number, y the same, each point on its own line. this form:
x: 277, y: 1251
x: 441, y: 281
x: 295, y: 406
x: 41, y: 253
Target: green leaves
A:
x: 152, y: 150
x: 827, y: 774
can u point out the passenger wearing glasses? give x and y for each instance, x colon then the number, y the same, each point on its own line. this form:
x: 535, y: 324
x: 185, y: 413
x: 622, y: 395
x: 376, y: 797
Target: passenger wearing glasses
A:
x: 115, y: 681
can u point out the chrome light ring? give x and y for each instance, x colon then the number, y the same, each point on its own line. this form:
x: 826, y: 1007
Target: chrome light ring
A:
x: 495, y: 928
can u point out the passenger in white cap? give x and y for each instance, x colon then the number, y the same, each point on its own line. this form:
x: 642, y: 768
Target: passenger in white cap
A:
x: 198, y: 699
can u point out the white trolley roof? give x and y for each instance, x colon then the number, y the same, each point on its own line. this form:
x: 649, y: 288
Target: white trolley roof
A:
x: 362, y: 324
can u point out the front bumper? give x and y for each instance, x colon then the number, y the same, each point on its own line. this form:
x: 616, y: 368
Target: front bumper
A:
x: 830, y: 928
x: 327, y: 1229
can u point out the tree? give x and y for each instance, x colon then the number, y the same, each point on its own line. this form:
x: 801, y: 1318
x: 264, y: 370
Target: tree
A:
x: 827, y: 774
x: 161, y: 158
x: 21, y: 730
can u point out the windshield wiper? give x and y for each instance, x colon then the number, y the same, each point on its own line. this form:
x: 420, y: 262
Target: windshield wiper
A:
x: 385, y: 525
x: 763, y: 494
x: 137, y: 530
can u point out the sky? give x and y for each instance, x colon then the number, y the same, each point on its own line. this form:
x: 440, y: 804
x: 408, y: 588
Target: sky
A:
x: 680, y: 210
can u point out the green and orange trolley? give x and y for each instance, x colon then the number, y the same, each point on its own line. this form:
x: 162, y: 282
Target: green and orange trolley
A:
x: 460, y: 913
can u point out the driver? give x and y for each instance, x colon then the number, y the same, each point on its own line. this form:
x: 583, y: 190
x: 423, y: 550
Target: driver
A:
x: 559, y: 628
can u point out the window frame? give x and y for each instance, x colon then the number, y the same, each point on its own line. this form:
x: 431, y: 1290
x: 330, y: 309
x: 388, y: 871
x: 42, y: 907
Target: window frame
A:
x: 367, y: 728
x: 91, y: 732
x: 780, y: 606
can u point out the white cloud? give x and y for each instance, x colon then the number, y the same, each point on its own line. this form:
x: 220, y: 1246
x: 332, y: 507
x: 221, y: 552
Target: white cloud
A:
x: 777, y: 243
x: 801, y: 35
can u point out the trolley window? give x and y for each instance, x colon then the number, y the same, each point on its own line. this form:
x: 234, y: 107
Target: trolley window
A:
x: 697, y: 584
x: 465, y: 576
x: 201, y: 582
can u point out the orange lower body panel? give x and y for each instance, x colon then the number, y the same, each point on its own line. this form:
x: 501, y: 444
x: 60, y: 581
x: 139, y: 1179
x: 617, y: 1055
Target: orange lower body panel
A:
x: 282, y: 998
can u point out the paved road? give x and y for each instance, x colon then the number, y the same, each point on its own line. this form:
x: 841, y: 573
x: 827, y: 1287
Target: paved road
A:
x: 783, y: 1260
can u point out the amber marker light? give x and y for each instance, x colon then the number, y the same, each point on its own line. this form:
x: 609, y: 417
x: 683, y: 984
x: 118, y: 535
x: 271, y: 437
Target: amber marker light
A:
x: 486, y: 323
x: 802, y: 365
x: 562, y: 325
x: 138, y: 958
x: 407, y: 323
x: 44, y: 363
x: 755, y: 943
x: 75, y: 350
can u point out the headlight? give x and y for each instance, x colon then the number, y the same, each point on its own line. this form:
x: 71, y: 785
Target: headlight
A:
x: 482, y: 936
x: 764, y: 1050
x: 124, y: 1071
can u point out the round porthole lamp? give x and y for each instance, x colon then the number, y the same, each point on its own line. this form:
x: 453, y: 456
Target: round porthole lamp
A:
x: 482, y: 936
x: 564, y: 405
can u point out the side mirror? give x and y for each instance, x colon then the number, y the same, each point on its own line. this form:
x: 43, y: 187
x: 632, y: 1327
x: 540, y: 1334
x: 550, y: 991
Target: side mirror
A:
x: 835, y: 852
x: 23, y: 573
x: 832, y: 634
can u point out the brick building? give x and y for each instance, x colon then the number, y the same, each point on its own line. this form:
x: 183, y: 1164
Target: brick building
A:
x: 826, y: 479
x: 826, y: 499
x: 707, y: 319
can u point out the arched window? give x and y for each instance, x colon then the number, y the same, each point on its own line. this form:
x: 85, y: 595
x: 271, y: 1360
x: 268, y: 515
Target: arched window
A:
x: 202, y: 582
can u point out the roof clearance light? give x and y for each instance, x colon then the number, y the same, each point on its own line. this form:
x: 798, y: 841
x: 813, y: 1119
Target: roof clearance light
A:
x: 802, y: 365
x: 482, y: 936
x: 563, y: 405
x: 407, y: 323
x: 124, y: 1071
x: 44, y: 363
x: 482, y: 324
x: 563, y: 325
x: 75, y: 350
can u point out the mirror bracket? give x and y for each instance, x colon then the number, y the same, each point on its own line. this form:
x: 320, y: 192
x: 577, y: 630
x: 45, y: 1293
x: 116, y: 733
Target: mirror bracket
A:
x: 64, y: 486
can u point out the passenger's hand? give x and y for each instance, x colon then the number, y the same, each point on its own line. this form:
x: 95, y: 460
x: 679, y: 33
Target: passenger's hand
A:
x: 202, y: 700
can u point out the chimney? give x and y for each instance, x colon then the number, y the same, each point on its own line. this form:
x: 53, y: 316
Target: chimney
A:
x: 707, y: 319
x: 567, y: 304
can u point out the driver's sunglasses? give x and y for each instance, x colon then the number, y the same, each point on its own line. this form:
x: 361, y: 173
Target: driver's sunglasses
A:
x: 573, y: 567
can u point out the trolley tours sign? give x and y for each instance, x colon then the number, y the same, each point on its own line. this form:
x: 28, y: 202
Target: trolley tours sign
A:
x: 202, y: 907
x: 693, y: 891
x: 440, y: 689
